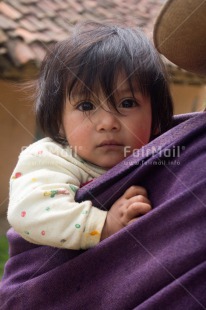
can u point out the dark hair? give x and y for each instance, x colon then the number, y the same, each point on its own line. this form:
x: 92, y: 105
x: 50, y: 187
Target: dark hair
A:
x: 91, y: 59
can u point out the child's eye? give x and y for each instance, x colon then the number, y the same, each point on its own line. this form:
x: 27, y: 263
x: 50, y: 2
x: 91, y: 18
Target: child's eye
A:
x: 86, y: 106
x: 128, y: 103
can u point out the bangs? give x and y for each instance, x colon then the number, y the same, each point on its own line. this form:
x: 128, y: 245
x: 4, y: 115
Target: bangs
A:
x: 98, y: 68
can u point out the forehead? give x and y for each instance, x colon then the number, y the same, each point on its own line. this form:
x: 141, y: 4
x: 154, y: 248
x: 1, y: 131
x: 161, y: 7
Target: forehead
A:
x: 125, y: 83
x: 121, y: 84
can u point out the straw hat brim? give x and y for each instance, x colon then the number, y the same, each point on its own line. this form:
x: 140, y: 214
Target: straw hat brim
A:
x: 180, y: 34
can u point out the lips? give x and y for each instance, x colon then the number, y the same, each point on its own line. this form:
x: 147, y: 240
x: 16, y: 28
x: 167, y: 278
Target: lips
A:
x: 109, y: 143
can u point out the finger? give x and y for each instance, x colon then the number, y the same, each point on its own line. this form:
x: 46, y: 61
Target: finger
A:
x: 137, y: 209
x: 135, y: 190
x: 133, y: 220
x: 139, y: 198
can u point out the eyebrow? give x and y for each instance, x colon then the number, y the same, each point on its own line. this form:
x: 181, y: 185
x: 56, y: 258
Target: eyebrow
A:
x: 128, y: 90
x: 80, y: 93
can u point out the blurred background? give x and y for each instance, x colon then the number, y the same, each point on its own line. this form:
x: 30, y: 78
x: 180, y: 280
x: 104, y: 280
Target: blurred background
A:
x: 27, y: 30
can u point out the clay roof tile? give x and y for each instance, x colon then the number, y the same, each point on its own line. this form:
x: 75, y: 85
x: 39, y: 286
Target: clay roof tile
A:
x: 63, y: 23
x: 3, y: 37
x: 76, y: 6
x: 6, y: 23
x: 26, y: 24
x: 49, y: 12
x: 39, y: 50
x: 62, y: 4
x: 20, y: 52
x: 8, y: 11
x: 37, y: 23
x: 26, y: 35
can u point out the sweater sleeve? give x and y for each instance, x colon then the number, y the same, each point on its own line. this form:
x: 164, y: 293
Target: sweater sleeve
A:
x: 42, y: 208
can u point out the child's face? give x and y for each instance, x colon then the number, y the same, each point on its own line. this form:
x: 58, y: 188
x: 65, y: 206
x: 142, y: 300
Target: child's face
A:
x: 103, y: 136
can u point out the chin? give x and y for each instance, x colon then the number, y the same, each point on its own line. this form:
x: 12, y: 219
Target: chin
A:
x: 110, y: 164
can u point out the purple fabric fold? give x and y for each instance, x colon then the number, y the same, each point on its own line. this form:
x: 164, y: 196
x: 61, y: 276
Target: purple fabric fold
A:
x: 158, y: 262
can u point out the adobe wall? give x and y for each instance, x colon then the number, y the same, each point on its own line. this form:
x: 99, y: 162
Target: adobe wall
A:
x: 17, y: 127
x: 188, y: 98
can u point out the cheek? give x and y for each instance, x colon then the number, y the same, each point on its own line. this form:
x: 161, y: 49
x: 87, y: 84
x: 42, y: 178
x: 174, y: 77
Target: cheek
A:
x: 78, y: 136
x: 142, y: 136
x: 75, y: 138
x: 142, y: 131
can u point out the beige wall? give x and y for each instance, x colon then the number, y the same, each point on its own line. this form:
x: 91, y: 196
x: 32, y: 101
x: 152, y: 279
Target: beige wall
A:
x: 17, y: 129
x: 188, y: 98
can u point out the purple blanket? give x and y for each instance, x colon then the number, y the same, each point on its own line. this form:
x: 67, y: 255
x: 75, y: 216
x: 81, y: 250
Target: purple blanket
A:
x: 158, y: 262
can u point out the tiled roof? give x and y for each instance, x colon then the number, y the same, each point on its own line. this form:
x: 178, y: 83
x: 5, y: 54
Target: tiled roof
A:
x: 28, y: 27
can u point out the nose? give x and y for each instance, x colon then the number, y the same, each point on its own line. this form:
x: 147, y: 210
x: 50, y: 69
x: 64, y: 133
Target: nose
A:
x: 107, y: 121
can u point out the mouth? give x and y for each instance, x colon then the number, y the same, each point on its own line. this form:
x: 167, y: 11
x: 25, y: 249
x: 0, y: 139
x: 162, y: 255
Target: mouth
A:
x: 109, y: 143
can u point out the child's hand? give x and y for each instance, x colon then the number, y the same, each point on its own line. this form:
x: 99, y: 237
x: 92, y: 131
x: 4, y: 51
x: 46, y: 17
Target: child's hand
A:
x: 131, y: 205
